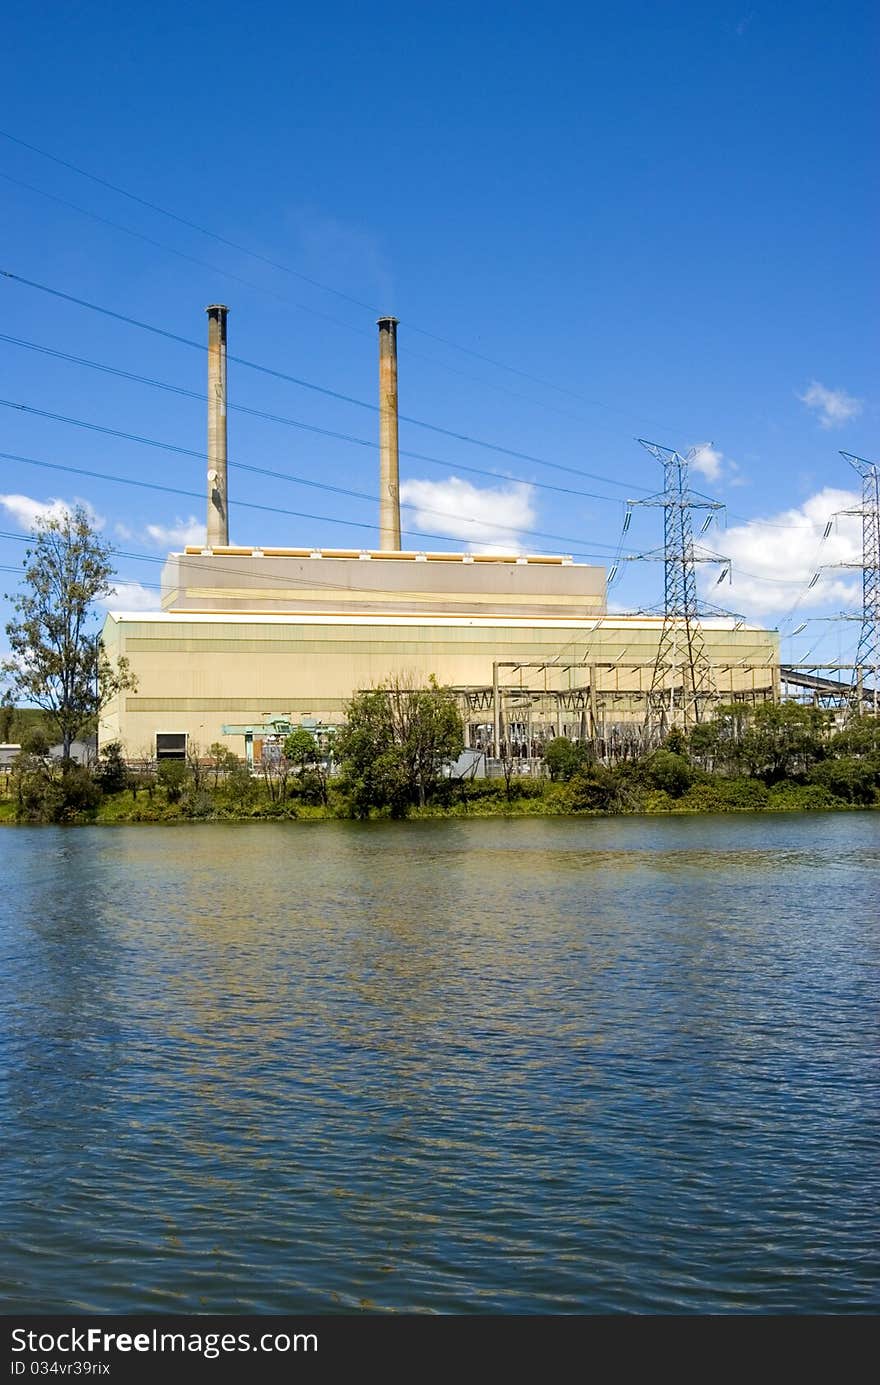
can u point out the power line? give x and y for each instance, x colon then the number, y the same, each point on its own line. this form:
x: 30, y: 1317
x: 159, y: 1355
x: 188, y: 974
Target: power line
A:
x: 299, y: 423
x: 296, y: 274
x: 274, y: 293
x: 242, y: 504
x: 180, y: 254
x: 215, y: 566
x: 275, y: 475
x: 617, y: 548
x: 275, y: 264
x: 310, y: 385
x: 868, y: 649
x: 302, y: 426
x: 681, y: 646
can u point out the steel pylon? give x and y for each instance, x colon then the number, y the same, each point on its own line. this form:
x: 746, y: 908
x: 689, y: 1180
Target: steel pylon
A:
x: 868, y: 650
x: 682, y: 684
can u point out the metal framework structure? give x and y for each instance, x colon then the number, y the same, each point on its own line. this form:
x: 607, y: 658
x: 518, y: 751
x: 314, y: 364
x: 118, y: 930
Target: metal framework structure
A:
x: 682, y: 682
x: 602, y: 701
x: 868, y: 649
x: 864, y: 690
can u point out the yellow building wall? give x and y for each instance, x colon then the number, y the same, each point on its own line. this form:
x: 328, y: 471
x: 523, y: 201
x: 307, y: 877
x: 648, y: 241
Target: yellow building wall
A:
x: 198, y: 672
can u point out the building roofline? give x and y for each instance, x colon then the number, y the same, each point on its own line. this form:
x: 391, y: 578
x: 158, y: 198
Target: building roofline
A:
x: 588, y: 624
x: 401, y: 555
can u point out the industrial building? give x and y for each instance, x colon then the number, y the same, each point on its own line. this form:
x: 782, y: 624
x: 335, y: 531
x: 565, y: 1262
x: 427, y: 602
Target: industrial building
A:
x: 253, y: 638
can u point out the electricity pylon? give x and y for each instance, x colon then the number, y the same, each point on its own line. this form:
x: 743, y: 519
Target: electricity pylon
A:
x: 868, y: 650
x: 681, y: 680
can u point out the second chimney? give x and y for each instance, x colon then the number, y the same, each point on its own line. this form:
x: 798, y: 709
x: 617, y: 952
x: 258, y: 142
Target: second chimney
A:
x: 218, y: 510
x: 389, y: 493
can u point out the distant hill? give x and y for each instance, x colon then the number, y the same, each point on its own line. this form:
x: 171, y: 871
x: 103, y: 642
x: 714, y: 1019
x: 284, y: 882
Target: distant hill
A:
x: 15, y: 720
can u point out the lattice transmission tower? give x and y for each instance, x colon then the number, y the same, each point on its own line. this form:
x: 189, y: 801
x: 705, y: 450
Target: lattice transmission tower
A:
x: 868, y: 649
x: 681, y: 681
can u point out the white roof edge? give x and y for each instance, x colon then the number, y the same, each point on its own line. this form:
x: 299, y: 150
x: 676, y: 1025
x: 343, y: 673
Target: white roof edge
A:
x: 590, y: 624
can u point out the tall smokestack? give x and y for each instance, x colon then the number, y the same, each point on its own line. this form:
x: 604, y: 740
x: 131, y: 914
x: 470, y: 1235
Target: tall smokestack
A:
x: 389, y: 493
x: 218, y: 511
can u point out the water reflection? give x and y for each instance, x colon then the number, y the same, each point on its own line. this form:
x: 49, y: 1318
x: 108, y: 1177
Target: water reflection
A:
x: 521, y: 1066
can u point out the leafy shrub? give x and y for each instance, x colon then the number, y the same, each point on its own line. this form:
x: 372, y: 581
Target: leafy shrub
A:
x: 597, y: 789
x: 721, y: 795
x: 112, y: 773
x: 172, y: 775
x: 676, y: 741
x: 38, y: 796
x: 564, y: 758
x: 80, y: 793
x: 240, y: 789
x: 668, y: 770
x: 800, y: 797
x: 476, y: 789
x: 705, y: 797
x: 197, y: 803
x: 744, y: 793
x: 851, y: 779
x: 44, y: 795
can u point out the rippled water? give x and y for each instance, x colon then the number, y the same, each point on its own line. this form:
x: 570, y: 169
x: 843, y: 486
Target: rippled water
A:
x: 534, y: 1066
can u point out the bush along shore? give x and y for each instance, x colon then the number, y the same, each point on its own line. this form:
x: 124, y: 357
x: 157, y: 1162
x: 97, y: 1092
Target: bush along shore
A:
x: 392, y: 759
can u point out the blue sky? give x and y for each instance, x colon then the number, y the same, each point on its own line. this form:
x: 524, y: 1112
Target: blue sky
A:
x: 666, y: 212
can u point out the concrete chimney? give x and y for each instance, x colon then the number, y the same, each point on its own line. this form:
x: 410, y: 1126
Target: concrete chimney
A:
x: 389, y: 492
x: 218, y: 511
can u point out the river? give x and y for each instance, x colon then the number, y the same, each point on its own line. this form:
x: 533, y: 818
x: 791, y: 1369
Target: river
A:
x: 549, y: 1065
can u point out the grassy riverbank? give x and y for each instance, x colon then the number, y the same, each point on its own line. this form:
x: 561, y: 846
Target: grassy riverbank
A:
x: 478, y: 799
x: 769, y: 758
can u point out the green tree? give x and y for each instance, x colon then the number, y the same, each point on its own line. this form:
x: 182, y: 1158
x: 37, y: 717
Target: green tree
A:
x: 276, y: 772
x: 112, y: 773
x: 35, y: 742
x: 705, y: 744
x: 597, y: 788
x: 783, y: 740
x: 221, y: 760
x: 861, y: 738
x: 173, y: 776
x: 239, y: 787
x: 47, y: 792
x: 7, y: 718
x: 395, y: 743
x: 58, y: 662
x: 676, y: 741
x: 564, y: 758
x: 300, y: 750
x: 850, y: 778
x: 718, y: 744
x: 668, y: 771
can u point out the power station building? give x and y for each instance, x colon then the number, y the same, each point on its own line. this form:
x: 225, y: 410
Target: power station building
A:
x: 250, y: 637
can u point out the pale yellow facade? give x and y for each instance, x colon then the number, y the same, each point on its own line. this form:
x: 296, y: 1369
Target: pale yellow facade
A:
x: 246, y: 636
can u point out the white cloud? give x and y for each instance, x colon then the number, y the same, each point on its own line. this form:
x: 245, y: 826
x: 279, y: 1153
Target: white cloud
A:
x: 707, y: 460
x: 788, y: 548
x: 123, y: 532
x: 178, y: 534
x: 486, y: 518
x: 27, y: 512
x: 711, y: 463
x: 833, y: 407
x: 131, y: 596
